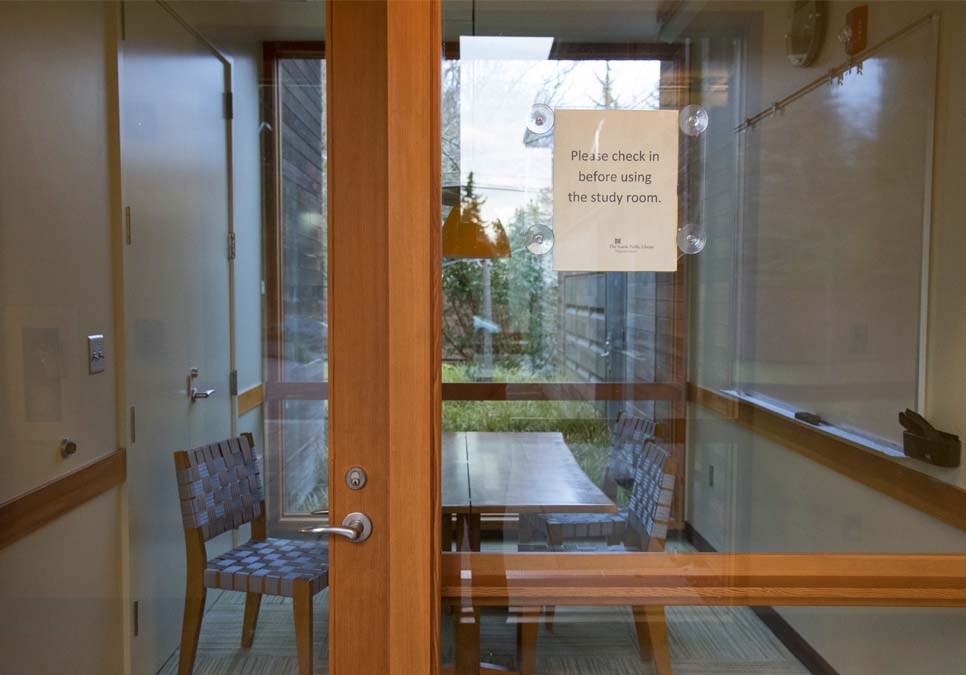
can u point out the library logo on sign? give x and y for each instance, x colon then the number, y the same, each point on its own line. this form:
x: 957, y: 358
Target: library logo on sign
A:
x: 620, y: 247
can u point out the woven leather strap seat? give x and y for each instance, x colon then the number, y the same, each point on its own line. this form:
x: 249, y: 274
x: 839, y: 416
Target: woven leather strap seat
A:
x: 220, y: 488
x: 646, y: 517
x: 537, y: 531
x: 586, y: 525
x: 270, y: 567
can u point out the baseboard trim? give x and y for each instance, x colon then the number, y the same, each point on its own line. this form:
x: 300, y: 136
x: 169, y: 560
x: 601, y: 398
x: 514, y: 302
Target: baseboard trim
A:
x: 794, y: 642
x: 693, y: 537
x: 799, y: 647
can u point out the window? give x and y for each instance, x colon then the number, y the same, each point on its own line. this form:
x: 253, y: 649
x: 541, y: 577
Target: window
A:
x: 294, y: 155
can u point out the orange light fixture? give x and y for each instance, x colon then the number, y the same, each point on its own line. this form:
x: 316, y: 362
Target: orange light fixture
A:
x: 472, y: 238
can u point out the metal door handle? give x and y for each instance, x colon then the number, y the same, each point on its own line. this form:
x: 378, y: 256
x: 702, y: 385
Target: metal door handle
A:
x: 195, y: 394
x: 356, y: 527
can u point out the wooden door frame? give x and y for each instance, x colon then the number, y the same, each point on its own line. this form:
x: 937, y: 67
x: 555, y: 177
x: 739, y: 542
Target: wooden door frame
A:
x: 383, y: 70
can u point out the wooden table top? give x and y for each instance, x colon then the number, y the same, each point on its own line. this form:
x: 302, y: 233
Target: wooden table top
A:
x: 494, y: 472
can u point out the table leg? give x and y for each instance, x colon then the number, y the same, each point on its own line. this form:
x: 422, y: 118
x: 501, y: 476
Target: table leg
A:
x: 528, y: 625
x: 460, y: 531
x: 446, y: 537
x: 468, y: 618
x: 468, y: 531
x: 474, y: 524
x: 468, y: 641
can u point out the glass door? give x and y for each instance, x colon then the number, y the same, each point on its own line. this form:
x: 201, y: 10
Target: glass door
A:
x: 691, y: 360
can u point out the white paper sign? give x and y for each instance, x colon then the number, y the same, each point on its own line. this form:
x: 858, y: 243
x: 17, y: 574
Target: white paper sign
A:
x: 615, y: 199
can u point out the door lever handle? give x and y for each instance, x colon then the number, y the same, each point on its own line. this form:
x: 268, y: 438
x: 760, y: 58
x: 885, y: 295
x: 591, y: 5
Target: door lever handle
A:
x: 356, y: 527
x: 196, y: 394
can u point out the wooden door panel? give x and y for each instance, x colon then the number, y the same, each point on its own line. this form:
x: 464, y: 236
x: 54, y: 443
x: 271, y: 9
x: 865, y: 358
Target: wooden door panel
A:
x: 384, y: 391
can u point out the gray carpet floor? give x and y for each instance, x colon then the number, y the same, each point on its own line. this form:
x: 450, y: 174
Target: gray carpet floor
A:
x: 584, y: 641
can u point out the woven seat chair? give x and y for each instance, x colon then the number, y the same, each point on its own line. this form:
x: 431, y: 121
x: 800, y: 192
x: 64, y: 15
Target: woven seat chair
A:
x: 648, y: 515
x: 627, y: 439
x: 220, y: 490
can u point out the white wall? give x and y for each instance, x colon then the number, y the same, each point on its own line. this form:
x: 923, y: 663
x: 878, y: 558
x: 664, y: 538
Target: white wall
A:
x: 60, y: 586
x: 768, y: 498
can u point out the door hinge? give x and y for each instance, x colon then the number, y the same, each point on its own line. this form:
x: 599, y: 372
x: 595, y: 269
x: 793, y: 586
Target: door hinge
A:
x: 127, y: 225
x: 231, y: 245
x: 229, y: 106
x: 233, y: 383
x: 135, y: 619
x: 133, y: 426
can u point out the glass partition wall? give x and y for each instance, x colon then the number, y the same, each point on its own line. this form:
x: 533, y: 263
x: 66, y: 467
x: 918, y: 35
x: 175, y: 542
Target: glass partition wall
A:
x: 609, y: 412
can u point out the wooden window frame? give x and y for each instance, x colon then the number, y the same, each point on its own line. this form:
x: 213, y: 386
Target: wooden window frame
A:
x: 276, y: 390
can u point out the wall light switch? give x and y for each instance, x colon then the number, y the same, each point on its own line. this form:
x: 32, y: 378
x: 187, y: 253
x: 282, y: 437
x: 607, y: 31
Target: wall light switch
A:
x: 95, y: 354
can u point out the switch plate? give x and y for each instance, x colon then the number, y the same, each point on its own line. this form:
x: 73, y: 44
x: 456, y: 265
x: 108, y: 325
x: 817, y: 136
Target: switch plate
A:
x: 95, y: 354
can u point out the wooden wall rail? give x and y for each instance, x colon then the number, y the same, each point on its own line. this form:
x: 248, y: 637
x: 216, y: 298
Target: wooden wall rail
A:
x: 250, y: 398
x: 940, y: 499
x: 747, y: 579
x: 29, y: 512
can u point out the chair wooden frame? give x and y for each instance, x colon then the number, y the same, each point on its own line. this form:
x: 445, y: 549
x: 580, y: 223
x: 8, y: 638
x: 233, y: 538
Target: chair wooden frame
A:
x: 196, y: 591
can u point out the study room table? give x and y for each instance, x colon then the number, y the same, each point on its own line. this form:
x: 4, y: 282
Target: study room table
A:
x: 513, y: 472
x: 506, y: 472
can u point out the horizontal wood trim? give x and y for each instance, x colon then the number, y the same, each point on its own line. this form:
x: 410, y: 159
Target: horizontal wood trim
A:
x: 499, y: 522
x: 746, y: 579
x: 250, y: 399
x: 31, y: 511
x: 563, y: 391
x: 296, y: 391
x: 940, y: 499
x: 509, y: 391
x: 716, y: 402
x: 309, y: 49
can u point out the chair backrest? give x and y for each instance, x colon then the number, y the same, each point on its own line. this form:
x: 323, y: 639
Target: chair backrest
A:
x: 220, y: 486
x: 627, y: 440
x: 649, y: 509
